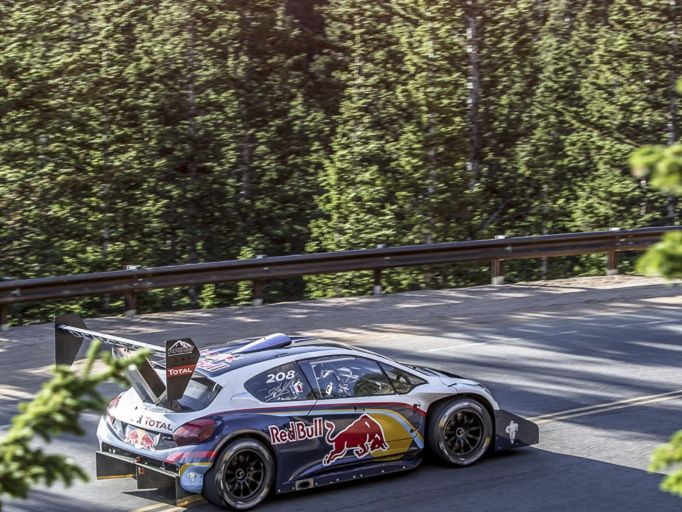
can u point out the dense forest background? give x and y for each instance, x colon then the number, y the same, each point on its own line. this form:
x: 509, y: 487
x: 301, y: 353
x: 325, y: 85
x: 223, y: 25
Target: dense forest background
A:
x: 153, y: 132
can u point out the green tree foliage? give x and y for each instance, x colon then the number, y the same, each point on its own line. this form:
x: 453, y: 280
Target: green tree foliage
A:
x: 153, y: 133
x: 664, y: 167
x: 626, y: 94
x: 358, y: 203
x: 430, y: 148
x: 667, y: 456
x: 548, y: 172
x: 159, y: 132
x: 55, y: 410
x: 513, y: 46
x: 437, y: 187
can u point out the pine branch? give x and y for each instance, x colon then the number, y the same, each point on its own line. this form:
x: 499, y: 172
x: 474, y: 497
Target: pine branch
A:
x: 56, y: 410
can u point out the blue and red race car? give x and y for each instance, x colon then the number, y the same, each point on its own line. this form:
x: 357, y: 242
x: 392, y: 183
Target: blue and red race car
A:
x: 236, y: 422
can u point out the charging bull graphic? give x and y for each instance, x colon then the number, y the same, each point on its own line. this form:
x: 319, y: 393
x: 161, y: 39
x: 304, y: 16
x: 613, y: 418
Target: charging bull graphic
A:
x: 362, y: 437
x: 140, y: 439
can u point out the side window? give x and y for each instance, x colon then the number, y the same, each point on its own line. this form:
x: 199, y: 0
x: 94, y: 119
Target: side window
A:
x: 402, y: 381
x: 280, y: 384
x: 346, y: 377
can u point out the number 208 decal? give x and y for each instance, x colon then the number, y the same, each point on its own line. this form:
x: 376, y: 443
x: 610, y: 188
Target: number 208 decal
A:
x: 280, y: 376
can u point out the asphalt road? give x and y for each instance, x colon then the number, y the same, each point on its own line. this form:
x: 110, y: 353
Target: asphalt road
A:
x: 598, y: 362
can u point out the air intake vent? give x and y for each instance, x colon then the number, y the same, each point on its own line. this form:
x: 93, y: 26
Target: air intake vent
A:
x: 277, y: 340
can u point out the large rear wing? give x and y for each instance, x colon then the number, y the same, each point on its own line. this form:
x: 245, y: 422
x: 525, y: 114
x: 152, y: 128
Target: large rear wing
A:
x: 181, y: 356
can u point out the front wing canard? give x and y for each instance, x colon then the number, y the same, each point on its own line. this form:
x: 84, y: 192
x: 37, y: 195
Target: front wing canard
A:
x: 512, y: 431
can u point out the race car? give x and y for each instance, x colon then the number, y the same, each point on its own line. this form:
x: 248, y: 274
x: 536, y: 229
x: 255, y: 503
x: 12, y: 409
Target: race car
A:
x: 242, y: 420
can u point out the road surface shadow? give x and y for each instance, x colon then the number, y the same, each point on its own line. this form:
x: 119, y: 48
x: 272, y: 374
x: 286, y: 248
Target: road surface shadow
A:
x: 525, y: 481
x: 528, y: 480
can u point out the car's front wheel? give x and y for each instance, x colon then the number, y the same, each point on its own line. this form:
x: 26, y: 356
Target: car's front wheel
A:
x: 242, y: 476
x: 459, y: 431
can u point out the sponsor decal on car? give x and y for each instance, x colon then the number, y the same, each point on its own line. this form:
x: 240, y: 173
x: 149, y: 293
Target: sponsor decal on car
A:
x: 180, y: 348
x: 180, y: 370
x: 155, y: 424
x: 296, y: 431
x: 362, y: 437
x: 141, y: 439
x: 220, y: 356
x: 216, y: 361
x: 512, y: 429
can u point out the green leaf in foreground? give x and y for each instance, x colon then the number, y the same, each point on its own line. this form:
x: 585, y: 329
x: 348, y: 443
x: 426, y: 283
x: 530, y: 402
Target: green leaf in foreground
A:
x: 664, y: 258
x: 666, y: 456
x: 56, y: 410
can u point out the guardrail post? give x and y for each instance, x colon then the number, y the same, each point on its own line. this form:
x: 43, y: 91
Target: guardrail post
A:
x: 497, y: 269
x: 258, y: 287
x: 130, y: 298
x: 497, y: 272
x: 612, y: 259
x: 130, y: 304
x: 258, y: 293
x: 4, y: 317
x: 612, y: 263
x: 376, y: 290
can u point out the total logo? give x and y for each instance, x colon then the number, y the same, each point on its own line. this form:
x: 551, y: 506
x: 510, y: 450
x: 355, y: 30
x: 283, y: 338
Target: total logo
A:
x: 361, y: 438
x: 154, y: 424
x: 180, y: 370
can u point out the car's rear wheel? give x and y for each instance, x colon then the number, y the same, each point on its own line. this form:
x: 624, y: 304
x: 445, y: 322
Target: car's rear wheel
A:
x: 459, y: 431
x: 242, y: 476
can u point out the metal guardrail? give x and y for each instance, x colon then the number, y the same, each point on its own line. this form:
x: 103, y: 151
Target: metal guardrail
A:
x: 259, y: 270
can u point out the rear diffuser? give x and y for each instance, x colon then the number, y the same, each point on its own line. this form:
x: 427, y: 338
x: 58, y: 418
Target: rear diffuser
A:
x: 167, y: 483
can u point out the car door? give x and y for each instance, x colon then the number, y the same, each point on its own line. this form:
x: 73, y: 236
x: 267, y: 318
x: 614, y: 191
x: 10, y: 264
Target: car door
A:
x: 365, y: 419
x: 294, y: 435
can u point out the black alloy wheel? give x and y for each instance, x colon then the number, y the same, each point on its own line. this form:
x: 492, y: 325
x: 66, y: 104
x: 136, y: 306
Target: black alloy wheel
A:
x: 245, y: 475
x: 242, y: 476
x: 463, y: 433
x: 459, y: 431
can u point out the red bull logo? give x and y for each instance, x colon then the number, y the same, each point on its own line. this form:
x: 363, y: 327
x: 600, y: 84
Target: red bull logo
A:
x: 141, y: 439
x: 362, y: 437
x: 296, y: 431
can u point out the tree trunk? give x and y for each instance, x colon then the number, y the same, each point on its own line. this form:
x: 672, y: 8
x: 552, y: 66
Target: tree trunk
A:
x: 106, y: 185
x: 190, y: 226
x: 673, y: 99
x: 474, y: 84
x: 431, y: 164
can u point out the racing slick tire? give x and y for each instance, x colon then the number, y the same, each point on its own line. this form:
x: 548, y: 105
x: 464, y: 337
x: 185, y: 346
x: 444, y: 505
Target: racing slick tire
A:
x: 459, y: 431
x: 242, y: 476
